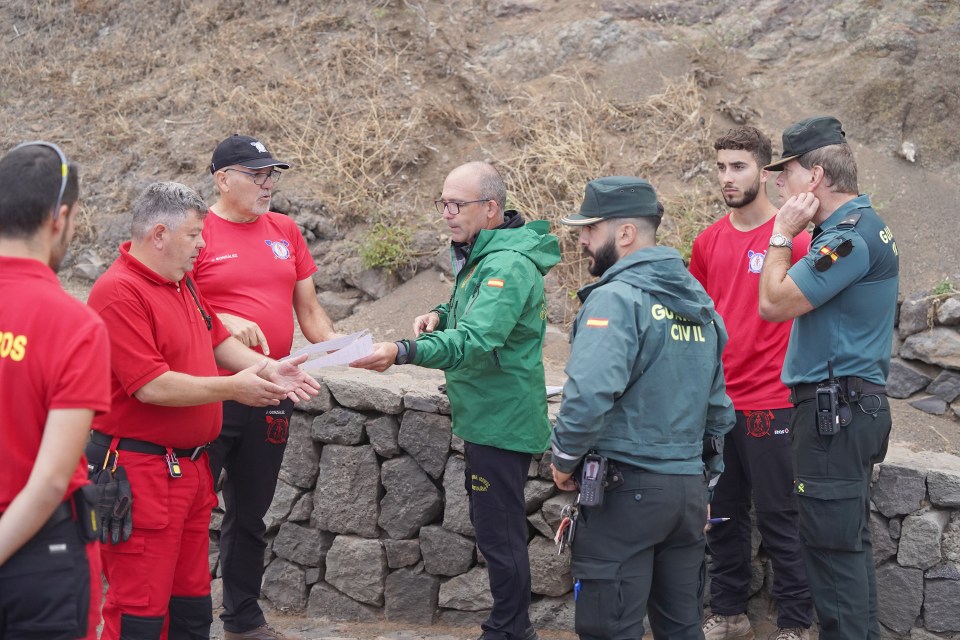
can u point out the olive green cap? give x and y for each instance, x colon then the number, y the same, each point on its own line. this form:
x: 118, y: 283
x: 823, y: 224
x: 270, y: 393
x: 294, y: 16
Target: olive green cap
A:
x: 807, y: 135
x: 615, y: 197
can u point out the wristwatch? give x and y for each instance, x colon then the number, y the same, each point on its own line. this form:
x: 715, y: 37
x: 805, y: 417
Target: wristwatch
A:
x: 780, y: 240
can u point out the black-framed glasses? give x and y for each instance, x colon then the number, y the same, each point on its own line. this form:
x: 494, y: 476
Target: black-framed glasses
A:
x: 260, y: 179
x: 829, y: 256
x: 64, y: 168
x: 453, y: 206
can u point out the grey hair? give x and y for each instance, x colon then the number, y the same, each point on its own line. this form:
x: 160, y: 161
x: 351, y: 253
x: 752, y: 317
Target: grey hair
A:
x: 839, y: 166
x: 165, y: 203
x: 490, y: 183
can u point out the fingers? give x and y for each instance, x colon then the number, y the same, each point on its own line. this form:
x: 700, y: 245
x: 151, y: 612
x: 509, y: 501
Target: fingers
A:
x: 261, y: 340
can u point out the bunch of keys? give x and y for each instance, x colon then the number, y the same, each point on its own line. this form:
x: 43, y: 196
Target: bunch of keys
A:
x: 567, y: 528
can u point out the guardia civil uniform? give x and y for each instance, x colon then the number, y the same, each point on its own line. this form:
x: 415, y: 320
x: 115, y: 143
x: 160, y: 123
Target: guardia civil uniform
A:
x: 645, y: 388
x: 853, y: 290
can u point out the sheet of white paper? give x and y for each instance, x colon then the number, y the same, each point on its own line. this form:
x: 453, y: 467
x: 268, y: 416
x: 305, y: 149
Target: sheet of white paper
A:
x: 553, y: 391
x: 321, y: 348
x: 362, y: 346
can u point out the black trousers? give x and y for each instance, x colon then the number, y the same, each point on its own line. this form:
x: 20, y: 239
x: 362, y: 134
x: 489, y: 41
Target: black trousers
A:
x: 641, y: 551
x: 833, y: 496
x: 757, y: 462
x: 494, y: 480
x: 45, y: 586
x: 250, y: 448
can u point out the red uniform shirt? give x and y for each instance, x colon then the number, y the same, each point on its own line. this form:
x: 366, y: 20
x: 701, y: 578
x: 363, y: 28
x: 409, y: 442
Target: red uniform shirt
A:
x: 54, y: 354
x: 155, y: 327
x: 250, y: 270
x: 727, y: 263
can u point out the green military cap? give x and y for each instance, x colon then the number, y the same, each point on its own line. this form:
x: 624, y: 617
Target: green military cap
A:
x: 807, y: 135
x: 615, y: 197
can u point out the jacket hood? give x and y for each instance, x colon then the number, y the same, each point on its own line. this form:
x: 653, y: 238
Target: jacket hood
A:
x: 660, y: 271
x: 532, y: 240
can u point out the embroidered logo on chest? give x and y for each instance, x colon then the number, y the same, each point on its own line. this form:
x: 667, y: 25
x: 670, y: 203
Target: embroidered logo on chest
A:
x: 280, y: 248
x: 755, y: 260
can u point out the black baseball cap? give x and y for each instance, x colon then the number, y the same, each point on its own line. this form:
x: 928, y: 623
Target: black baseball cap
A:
x: 245, y: 151
x: 615, y: 197
x: 807, y: 135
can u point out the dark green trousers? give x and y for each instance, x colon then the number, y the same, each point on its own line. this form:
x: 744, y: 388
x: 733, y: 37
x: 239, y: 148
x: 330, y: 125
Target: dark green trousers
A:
x: 833, y: 498
x: 641, y: 551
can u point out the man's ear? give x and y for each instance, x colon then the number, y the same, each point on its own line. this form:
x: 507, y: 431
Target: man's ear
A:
x: 817, y: 177
x: 158, y: 235
x: 764, y: 176
x: 625, y: 234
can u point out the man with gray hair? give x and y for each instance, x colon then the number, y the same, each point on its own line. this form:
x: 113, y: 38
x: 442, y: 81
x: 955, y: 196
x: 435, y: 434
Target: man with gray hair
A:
x: 166, y: 346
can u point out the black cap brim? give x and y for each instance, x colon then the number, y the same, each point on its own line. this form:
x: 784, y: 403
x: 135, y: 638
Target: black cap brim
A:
x: 263, y: 163
x: 780, y: 164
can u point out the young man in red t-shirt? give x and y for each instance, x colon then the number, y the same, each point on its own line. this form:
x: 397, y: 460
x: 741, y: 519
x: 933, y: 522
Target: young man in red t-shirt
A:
x: 54, y: 376
x: 255, y: 265
x: 726, y: 259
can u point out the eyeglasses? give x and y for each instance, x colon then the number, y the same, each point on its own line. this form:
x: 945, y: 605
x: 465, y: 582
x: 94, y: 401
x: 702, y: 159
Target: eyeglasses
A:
x: 260, y: 178
x: 453, y: 206
x: 829, y: 256
x: 64, y: 169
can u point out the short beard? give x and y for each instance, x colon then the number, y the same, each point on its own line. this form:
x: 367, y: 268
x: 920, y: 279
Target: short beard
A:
x: 748, y: 196
x: 605, y: 258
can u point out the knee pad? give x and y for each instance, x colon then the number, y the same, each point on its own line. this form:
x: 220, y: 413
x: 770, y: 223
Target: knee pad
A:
x: 190, y: 617
x: 140, y: 627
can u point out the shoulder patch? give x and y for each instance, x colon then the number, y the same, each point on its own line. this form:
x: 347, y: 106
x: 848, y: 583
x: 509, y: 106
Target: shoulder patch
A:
x: 850, y: 221
x: 600, y: 323
x: 495, y: 282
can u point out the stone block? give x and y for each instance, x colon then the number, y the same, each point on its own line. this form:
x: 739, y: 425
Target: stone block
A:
x: 283, y: 498
x: 538, y: 522
x: 411, y: 499
x: 884, y: 546
x: 401, y: 553
x: 366, y: 390
x: 348, y: 489
x: 904, y: 379
x: 382, y: 432
x: 552, y: 507
x: 301, y: 459
x: 914, y: 315
x: 319, y: 403
x: 467, y: 592
x: 302, y: 508
x: 338, y: 305
x: 549, y: 572
x: 426, y: 437
x: 411, y: 595
x: 944, y: 488
x: 536, y: 492
x: 553, y: 613
x: 898, y: 490
x: 305, y: 546
x: 946, y: 386
x: 943, y: 571
x: 899, y: 596
x: 327, y: 602
x: 545, y: 472
x: 940, y: 610
x: 948, y: 314
x: 339, y: 426
x: 285, y: 585
x: 930, y: 404
x: 358, y: 568
x: 939, y: 346
x: 420, y: 400
x: 456, y: 508
x: 312, y: 575
x: 445, y: 553
x: 920, y: 539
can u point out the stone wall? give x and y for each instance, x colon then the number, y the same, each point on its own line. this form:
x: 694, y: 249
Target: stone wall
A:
x: 370, y: 522
x: 927, y: 344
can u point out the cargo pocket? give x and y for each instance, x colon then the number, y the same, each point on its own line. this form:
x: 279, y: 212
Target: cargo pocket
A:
x: 131, y: 574
x: 149, y: 483
x: 831, y: 513
x: 599, y: 605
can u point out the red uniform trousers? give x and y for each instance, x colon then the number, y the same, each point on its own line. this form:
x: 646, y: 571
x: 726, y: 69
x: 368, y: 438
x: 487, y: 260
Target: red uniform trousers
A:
x: 159, y: 580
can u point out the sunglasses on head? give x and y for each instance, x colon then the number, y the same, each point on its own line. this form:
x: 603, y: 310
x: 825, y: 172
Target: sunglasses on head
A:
x: 829, y: 256
x: 64, y: 168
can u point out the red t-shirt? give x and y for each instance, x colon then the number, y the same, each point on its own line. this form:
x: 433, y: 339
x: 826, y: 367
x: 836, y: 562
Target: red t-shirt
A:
x: 250, y: 270
x: 155, y: 327
x: 54, y: 354
x: 727, y: 263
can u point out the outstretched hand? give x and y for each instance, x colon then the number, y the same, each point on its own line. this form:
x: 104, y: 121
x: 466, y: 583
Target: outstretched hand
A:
x: 383, y: 356
x: 298, y: 384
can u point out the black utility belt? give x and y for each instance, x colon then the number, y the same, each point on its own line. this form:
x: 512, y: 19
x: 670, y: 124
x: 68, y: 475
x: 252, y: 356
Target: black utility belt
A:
x: 852, y: 389
x: 142, y: 446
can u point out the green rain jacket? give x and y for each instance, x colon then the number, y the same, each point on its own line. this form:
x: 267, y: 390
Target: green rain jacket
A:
x: 644, y: 380
x: 490, y: 338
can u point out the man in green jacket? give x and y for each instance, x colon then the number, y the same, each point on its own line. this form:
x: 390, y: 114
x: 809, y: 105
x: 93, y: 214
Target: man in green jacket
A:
x: 489, y: 341
x: 644, y: 391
